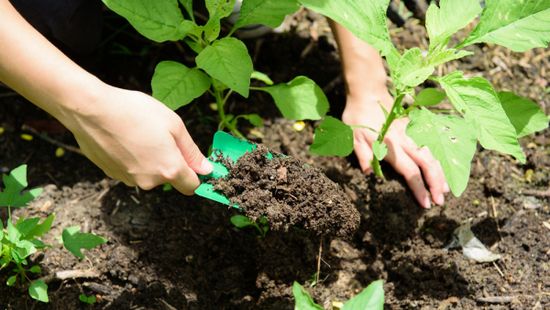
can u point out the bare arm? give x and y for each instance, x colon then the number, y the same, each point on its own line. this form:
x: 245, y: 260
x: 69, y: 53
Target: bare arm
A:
x: 128, y: 134
x: 366, y: 79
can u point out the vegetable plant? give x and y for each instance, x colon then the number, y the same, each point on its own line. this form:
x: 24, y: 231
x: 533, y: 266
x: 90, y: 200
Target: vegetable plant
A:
x: 480, y: 113
x: 222, y: 65
x: 371, y: 298
x: 22, y: 238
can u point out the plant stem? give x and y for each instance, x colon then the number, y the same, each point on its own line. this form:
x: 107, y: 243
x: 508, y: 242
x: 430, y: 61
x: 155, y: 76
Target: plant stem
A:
x: 389, y: 120
x: 220, y: 103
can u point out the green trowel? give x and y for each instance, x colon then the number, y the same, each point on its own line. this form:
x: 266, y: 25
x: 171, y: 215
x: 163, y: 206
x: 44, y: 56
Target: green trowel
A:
x: 230, y: 148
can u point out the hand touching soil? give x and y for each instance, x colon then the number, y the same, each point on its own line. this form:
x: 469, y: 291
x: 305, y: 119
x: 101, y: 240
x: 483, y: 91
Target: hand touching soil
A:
x: 404, y: 155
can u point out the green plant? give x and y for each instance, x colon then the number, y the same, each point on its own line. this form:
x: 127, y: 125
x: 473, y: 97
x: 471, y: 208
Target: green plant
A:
x: 242, y: 221
x: 495, y: 119
x: 20, y: 239
x: 90, y: 300
x: 223, y: 65
x: 371, y: 298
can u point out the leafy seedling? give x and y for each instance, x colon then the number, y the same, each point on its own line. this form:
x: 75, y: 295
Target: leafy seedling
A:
x: 87, y: 299
x: 20, y: 239
x: 242, y: 221
x: 371, y: 298
x: 480, y: 114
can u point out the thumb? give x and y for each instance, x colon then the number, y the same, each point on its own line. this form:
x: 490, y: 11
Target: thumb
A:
x: 191, y: 153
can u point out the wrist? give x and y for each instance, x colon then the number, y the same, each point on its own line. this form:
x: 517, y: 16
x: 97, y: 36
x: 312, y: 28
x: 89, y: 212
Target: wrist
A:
x: 79, y: 98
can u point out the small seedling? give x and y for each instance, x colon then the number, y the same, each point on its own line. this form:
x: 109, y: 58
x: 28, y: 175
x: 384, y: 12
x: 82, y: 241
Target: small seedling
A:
x: 371, y: 298
x: 90, y: 300
x: 20, y: 239
x: 242, y: 221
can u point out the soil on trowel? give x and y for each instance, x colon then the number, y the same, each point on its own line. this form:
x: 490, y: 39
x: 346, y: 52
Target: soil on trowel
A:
x: 288, y: 193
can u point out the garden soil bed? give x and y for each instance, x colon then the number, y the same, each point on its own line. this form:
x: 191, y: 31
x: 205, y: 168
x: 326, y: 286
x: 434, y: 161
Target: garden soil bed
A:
x: 168, y: 251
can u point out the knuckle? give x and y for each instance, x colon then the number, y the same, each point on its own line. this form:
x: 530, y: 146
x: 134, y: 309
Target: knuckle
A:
x: 171, y: 173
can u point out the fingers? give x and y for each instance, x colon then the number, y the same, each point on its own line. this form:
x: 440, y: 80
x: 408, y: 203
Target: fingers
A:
x: 431, y: 170
x: 364, y: 154
x: 191, y: 153
x: 406, y: 166
x: 184, y: 179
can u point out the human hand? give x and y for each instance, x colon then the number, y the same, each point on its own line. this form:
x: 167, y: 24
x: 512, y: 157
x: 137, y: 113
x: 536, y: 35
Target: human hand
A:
x: 403, y: 154
x: 136, y: 139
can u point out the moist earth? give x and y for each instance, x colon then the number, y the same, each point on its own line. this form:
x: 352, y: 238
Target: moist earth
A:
x: 288, y: 193
x: 168, y: 251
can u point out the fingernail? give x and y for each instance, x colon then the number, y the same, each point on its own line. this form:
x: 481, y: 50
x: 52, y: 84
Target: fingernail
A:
x: 439, y: 199
x: 206, y: 166
x: 427, y: 204
x: 446, y: 188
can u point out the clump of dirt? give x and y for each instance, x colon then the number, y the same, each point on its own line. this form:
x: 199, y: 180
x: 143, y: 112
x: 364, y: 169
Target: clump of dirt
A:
x: 289, y: 193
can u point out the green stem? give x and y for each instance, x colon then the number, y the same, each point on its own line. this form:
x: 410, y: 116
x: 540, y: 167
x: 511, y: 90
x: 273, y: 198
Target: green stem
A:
x: 220, y: 103
x: 389, y: 120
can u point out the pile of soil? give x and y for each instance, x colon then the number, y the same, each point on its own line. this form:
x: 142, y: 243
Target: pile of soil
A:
x: 288, y: 193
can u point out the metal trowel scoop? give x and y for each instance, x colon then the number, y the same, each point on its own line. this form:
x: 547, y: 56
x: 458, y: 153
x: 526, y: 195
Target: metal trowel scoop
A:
x: 230, y: 148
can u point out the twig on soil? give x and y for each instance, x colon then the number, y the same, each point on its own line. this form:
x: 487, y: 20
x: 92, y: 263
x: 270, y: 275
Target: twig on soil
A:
x: 498, y: 269
x: 98, y: 288
x: 318, y: 274
x: 495, y: 216
x: 44, y: 137
x: 537, y: 193
x: 496, y: 299
x: 71, y: 274
x: 166, y: 305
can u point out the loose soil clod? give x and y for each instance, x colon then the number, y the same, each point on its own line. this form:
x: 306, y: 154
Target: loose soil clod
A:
x: 289, y: 193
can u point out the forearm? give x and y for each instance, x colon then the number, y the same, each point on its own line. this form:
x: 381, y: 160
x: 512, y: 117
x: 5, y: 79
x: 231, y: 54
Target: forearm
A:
x: 362, y: 65
x: 36, y: 69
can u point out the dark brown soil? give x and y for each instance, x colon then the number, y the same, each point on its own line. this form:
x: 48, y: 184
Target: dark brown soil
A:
x: 167, y: 251
x: 288, y: 193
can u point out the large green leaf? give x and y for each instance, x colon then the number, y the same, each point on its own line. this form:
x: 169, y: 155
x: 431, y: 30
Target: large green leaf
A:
x: 159, y: 20
x: 74, y: 240
x: 371, y: 298
x: 265, y: 12
x: 228, y: 61
x: 451, y: 140
x: 365, y: 19
x: 299, y: 99
x: 39, y: 291
x: 332, y: 138
x: 177, y: 85
x: 476, y: 99
x: 526, y: 116
x: 412, y: 69
x: 302, y: 299
x: 14, y: 183
x: 450, y: 16
x: 516, y: 24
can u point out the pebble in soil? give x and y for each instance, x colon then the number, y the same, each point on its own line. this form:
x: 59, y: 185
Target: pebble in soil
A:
x: 289, y: 193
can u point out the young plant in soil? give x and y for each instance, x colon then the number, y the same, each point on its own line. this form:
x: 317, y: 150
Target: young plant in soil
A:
x: 223, y: 65
x: 495, y: 119
x: 20, y: 239
x: 371, y: 298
